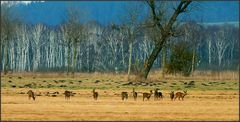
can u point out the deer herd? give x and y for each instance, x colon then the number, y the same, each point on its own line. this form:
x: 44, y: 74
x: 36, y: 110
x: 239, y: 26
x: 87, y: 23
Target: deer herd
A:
x: 124, y: 95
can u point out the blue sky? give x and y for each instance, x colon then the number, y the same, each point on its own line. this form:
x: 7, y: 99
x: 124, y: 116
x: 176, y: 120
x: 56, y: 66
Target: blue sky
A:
x: 52, y: 13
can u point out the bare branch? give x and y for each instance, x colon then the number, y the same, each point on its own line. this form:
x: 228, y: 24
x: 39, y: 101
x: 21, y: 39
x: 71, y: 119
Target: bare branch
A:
x: 179, y: 10
x: 151, y: 4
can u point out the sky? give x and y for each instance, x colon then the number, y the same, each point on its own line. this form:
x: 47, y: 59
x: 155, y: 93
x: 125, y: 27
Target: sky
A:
x: 53, y: 12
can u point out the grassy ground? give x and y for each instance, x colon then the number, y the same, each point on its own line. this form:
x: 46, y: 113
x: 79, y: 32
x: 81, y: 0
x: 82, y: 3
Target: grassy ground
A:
x: 112, y: 81
x: 207, y: 99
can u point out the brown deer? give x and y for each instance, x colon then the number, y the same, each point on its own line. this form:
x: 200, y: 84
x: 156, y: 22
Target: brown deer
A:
x: 171, y: 95
x: 157, y: 94
x: 124, y: 95
x: 95, y: 94
x: 180, y: 95
x: 31, y: 95
x: 67, y: 95
x: 134, y: 94
x: 147, y: 95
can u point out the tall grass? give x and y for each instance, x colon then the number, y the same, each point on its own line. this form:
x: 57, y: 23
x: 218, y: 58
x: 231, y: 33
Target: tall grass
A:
x: 153, y: 75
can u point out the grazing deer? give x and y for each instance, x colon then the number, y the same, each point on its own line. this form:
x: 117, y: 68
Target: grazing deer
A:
x: 180, y: 95
x: 67, y: 94
x: 171, y: 95
x: 134, y: 94
x: 147, y: 95
x: 124, y: 95
x: 157, y: 94
x: 55, y: 92
x: 31, y: 94
x: 95, y: 94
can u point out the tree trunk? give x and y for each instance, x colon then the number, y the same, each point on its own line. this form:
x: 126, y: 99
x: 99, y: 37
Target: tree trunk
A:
x: 209, y: 52
x: 219, y: 60
x: 12, y: 58
x: 74, y: 59
x: 130, y: 59
x: 88, y: 57
x: 68, y: 59
x: 163, y: 61
x: 6, y: 59
x: 36, y: 58
x: 123, y: 57
x: 149, y: 62
x: 1, y: 58
x: 193, y: 61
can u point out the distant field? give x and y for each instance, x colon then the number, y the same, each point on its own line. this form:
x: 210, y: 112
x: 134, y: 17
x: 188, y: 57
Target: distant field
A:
x: 206, y: 99
x: 209, y: 81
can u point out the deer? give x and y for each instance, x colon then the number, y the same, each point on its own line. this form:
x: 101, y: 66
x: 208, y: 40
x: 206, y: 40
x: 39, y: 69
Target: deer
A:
x: 134, y: 94
x: 147, y: 95
x: 31, y: 95
x: 180, y: 95
x: 124, y: 95
x: 171, y: 95
x: 67, y: 95
x: 95, y: 94
x: 157, y: 94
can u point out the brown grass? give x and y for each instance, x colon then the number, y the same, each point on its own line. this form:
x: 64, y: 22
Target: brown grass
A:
x: 211, y: 98
x: 198, y: 105
x: 199, y: 75
x: 153, y: 75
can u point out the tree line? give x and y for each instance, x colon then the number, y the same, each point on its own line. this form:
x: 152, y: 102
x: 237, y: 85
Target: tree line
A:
x: 133, y: 46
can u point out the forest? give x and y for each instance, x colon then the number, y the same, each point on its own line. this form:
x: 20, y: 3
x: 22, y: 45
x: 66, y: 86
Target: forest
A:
x: 77, y: 46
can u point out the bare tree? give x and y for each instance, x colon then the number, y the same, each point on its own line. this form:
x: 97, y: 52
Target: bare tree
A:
x: 211, y: 48
x: 95, y: 39
x: 166, y: 31
x: 132, y: 27
x: 23, y: 46
x: 111, y: 36
x: 7, y: 32
x: 221, y: 39
x: 37, y: 33
x: 74, y: 33
x: 232, y: 33
x: 209, y: 42
x: 193, y: 35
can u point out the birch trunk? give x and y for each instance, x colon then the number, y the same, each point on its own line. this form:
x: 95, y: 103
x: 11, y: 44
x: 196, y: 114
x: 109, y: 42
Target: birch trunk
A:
x: 130, y: 58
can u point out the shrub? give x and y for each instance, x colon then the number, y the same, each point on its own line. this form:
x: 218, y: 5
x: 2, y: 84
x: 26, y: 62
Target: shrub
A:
x: 180, y: 59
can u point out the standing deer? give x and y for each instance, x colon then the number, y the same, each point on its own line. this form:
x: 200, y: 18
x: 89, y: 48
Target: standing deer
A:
x: 180, y: 95
x: 95, y: 94
x: 147, y: 95
x: 134, y: 94
x: 171, y: 95
x: 31, y: 95
x: 124, y: 95
x: 157, y: 94
x: 67, y: 95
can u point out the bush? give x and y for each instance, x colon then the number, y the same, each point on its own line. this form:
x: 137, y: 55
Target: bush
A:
x: 180, y: 59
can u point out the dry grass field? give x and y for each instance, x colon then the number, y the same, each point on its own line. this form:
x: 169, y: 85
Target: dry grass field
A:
x: 206, y: 100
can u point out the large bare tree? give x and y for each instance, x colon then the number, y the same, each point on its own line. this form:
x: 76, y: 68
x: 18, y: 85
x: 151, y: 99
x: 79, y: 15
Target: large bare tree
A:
x: 166, y: 31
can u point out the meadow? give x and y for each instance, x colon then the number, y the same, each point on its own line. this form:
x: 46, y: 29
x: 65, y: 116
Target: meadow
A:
x: 208, y: 98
